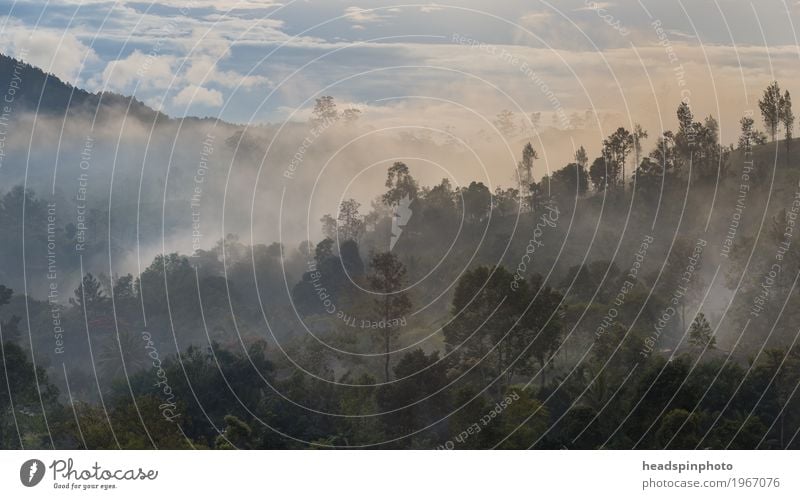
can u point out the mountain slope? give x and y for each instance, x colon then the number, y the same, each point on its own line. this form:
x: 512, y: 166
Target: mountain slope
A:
x: 28, y: 88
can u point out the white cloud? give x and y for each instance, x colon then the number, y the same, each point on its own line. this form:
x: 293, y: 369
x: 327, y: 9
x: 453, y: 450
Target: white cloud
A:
x: 359, y: 15
x: 149, y: 71
x: 193, y: 95
x: 61, y: 54
x: 204, y: 69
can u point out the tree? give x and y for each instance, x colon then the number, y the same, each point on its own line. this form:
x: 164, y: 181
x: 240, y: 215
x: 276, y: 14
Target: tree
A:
x: 477, y: 201
x: 498, y: 329
x: 323, y: 250
x: 525, y: 170
x: 524, y: 420
x: 666, y: 153
x: 329, y: 228
x: 166, y: 281
x: 351, y: 115
x: 89, y: 295
x: 387, y: 277
x: 700, y: 334
x: 747, y: 125
x: 505, y: 202
x: 536, y: 119
x: 617, y: 147
x: 685, y: 117
x: 787, y: 118
x: 603, y: 172
x: 400, y: 183
x: 686, y: 136
x: 505, y: 123
x: 638, y: 135
x: 124, y: 288
x: 24, y: 386
x: 10, y: 328
x: 350, y: 257
x: 324, y: 111
x: 770, y: 106
x: 750, y: 136
x: 570, y: 181
x: 483, y: 311
x: 419, y: 376
x: 710, y: 155
x: 237, y: 435
x: 525, y: 167
x: 581, y: 157
x: 350, y: 223
x: 439, y: 202
x: 120, y: 354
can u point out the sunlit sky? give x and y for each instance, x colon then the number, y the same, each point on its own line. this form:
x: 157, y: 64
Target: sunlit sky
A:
x: 258, y: 61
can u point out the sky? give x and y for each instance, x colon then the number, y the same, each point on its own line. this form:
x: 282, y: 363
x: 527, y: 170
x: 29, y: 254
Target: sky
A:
x: 580, y: 65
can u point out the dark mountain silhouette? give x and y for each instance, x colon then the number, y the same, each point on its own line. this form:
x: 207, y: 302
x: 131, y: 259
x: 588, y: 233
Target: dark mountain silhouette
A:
x: 32, y: 89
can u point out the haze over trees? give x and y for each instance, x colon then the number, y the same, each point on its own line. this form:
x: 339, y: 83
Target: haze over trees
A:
x: 563, y: 310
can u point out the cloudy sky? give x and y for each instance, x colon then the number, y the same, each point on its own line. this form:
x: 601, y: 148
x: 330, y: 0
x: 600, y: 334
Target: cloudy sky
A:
x: 574, y: 61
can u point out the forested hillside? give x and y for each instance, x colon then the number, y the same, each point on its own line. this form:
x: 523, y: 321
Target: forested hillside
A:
x: 645, y: 298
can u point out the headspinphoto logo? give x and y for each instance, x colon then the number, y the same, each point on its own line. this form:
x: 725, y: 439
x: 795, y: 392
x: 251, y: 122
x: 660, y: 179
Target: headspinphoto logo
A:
x: 31, y: 472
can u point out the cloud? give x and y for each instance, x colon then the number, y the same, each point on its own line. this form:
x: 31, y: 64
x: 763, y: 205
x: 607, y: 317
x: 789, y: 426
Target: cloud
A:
x: 195, y: 95
x: 359, y: 15
x: 204, y: 69
x: 61, y: 54
x: 147, y: 70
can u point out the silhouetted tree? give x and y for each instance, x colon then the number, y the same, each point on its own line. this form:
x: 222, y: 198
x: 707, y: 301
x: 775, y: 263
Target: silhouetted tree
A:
x: 400, y: 183
x: 324, y: 111
x: 770, y: 105
x: 581, y: 157
x: 639, y: 134
x: 700, y: 334
x: 787, y: 118
x: 89, y: 295
x: 350, y: 222
x: 617, y: 147
x: 386, y: 278
x: 477, y: 202
x: 505, y: 123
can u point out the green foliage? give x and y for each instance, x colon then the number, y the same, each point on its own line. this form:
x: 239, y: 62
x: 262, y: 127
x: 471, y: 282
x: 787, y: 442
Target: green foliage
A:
x: 248, y: 367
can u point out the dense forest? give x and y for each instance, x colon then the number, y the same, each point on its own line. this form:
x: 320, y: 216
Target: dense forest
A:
x: 644, y: 298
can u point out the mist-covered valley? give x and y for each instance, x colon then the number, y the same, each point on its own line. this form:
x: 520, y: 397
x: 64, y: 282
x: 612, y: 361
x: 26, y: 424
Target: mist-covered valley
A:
x: 335, y: 280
